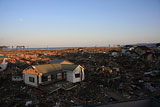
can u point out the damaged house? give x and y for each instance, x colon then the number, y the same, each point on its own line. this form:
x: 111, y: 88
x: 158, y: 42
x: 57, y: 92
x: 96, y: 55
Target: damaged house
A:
x: 3, y: 63
x: 49, y: 73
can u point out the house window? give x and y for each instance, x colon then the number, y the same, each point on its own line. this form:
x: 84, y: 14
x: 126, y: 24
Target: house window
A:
x: 31, y: 79
x: 53, y: 77
x: 49, y: 77
x: 77, y: 75
x: 59, y: 76
x: 64, y: 75
x: 44, y: 78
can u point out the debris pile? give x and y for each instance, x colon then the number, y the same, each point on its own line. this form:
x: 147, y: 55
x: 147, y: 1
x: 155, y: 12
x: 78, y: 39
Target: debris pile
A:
x: 127, y: 76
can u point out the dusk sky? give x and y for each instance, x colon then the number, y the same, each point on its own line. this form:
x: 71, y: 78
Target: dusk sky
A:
x: 65, y: 23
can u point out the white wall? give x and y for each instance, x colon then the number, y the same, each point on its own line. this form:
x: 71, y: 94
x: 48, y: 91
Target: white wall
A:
x: 76, y: 71
x: 40, y: 79
x: 83, y: 75
x: 3, y: 65
x: 26, y: 79
x: 71, y: 75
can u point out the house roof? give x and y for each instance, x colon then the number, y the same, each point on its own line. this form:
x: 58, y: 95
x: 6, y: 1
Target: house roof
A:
x: 47, y: 68
x: 51, y: 68
x: 69, y: 67
x: 61, y: 61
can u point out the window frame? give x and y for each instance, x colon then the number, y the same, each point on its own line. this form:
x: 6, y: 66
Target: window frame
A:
x: 44, y: 78
x: 77, y: 75
x: 59, y: 76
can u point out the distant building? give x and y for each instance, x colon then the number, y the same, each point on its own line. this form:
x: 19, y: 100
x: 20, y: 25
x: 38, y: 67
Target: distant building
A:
x: 47, y: 73
x: 3, y: 63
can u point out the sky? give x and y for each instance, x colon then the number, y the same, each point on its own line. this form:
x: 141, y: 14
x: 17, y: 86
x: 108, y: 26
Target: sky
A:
x: 78, y: 23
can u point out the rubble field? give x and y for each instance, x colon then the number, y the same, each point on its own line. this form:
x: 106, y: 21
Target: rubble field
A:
x: 107, y: 78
